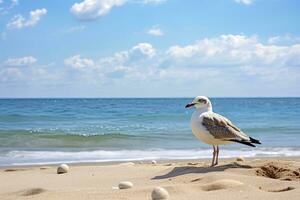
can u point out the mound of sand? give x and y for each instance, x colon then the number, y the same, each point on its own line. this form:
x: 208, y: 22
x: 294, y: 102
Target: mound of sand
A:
x: 280, y: 171
x: 221, y: 184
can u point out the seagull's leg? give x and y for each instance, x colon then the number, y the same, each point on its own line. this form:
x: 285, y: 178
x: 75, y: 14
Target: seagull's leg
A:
x: 217, y: 156
x: 214, y: 156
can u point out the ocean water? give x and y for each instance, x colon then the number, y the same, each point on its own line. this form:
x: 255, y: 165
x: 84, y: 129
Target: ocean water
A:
x: 40, y: 131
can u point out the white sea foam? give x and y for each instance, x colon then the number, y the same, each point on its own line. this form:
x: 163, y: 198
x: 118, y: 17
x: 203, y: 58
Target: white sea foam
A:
x: 52, y: 157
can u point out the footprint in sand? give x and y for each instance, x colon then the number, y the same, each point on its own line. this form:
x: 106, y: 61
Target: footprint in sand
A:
x: 221, y: 184
x: 33, y: 191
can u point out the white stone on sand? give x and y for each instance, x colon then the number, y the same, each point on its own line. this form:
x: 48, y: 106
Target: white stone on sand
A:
x: 159, y: 193
x: 125, y: 185
x: 63, y: 168
x: 153, y: 162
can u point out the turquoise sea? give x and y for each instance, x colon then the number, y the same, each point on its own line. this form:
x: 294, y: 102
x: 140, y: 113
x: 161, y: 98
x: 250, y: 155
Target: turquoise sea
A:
x: 40, y: 131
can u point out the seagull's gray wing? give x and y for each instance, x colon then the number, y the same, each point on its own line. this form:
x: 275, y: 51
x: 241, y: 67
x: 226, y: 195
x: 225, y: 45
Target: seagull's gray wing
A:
x: 222, y: 128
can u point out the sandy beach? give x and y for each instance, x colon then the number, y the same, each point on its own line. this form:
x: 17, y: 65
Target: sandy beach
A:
x: 261, y: 178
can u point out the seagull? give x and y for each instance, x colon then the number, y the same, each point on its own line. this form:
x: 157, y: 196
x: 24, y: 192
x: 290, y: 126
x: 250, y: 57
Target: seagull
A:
x: 214, y: 129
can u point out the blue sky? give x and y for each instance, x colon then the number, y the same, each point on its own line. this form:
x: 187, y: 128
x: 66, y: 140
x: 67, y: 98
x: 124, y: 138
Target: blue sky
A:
x: 149, y: 48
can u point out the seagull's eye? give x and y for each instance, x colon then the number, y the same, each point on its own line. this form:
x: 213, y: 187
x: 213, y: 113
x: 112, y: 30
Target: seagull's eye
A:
x: 202, y: 101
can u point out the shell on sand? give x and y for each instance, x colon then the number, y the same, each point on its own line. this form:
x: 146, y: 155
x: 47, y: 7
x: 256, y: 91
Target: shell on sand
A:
x: 240, y: 159
x: 159, y: 193
x: 125, y: 185
x: 63, y: 168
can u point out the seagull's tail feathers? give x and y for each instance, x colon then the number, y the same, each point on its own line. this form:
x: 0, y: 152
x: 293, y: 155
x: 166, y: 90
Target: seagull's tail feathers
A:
x: 255, y: 141
x: 243, y: 142
x: 247, y: 142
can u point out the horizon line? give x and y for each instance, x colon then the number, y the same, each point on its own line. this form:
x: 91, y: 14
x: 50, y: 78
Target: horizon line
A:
x: 168, y: 97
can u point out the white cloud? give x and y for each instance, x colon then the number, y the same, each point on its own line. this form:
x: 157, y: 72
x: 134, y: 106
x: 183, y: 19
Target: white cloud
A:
x: 274, y: 40
x: 239, y: 54
x: 10, y: 74
x: 77, y: 62
x: 143, y: 49
x: 34, y: 76
x: 23, y: 61
x: 184, y: 74
x: 156, y: 31
x: 18, y: 21
x: 245, y: 2
x: 142, y: 52
x: 246, y: 65
x: 133, y: 64
x: 223, y: 56
x: 92, y: 9
x: 225, y: 47
x: 284, y: 39
x: 266, y: 73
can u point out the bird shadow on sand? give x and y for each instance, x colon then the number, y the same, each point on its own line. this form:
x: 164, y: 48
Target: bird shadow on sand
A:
x: 178, y: 171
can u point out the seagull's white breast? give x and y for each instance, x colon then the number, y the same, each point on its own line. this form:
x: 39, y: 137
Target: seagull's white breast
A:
x: 199, y: 130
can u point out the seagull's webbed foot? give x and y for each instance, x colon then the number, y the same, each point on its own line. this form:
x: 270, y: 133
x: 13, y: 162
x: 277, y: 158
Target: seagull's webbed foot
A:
x: 212, y: 165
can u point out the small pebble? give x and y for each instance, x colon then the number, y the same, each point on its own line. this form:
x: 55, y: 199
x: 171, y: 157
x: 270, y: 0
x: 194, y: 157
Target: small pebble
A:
x: 240, y: 159
x: 153, y: 162
x: 159, y: 193
x: 125, y: 185
x: 63, y: 168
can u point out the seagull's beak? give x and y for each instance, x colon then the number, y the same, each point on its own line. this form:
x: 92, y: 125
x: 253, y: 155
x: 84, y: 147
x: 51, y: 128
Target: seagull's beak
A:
x: 189, y: 105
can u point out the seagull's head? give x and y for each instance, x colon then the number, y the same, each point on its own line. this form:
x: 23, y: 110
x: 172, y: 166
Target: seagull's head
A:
x: 199, y: 102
